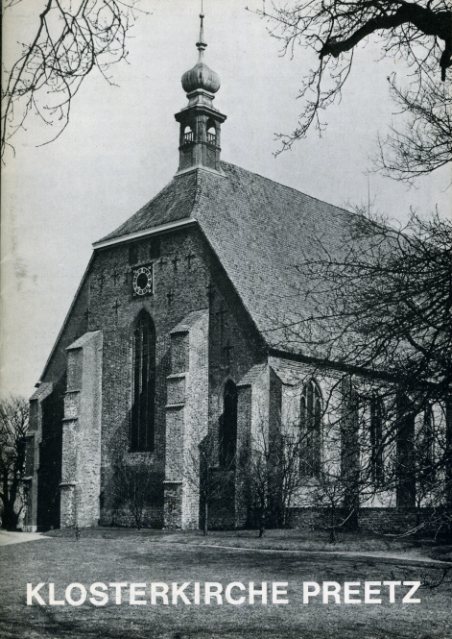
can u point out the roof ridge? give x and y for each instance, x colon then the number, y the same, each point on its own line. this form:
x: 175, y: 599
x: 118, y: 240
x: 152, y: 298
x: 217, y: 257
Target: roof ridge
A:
x: 286, y: 186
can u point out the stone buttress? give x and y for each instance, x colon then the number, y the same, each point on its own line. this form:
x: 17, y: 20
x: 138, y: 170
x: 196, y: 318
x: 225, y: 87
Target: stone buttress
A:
x: 186, y: 420
x: 81, y: 450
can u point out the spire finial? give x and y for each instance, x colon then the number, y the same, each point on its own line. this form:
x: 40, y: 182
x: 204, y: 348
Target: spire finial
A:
x: 201, y: 77
x: 201, y: 44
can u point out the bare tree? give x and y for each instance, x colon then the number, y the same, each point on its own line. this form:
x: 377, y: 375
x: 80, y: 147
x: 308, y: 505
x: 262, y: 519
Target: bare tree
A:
x: 289, y: 478
x: 13, y: 429
x: 200, y: 477
x: 260, y: 478
x: 72, y: 39
x: 418, y: 32
x: 331, y: 460
x: 330, y: 494
x: 271, y: 464
x: 424, y: 143
x: 133, y: 482
x: 382, y: 307
x: 387, y: 292
x: 357, y: 458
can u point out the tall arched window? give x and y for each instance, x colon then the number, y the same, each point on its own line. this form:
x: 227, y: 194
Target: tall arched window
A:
x: 406, y: 477
x: 142, y: 425
x: 228, y: 425
x: 311, y: 429
x: 427, y: 446
x: 376, y: 440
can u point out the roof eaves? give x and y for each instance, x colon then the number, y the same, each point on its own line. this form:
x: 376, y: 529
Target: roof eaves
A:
x: 155, y: 230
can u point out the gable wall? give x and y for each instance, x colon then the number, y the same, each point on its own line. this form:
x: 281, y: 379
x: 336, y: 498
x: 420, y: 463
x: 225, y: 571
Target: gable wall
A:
x: 105, y: 303
x: 110, y: 288
x: 113, y: 309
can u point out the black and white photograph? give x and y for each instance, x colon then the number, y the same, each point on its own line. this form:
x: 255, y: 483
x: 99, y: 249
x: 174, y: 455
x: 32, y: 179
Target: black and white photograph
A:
x: 226, y: 319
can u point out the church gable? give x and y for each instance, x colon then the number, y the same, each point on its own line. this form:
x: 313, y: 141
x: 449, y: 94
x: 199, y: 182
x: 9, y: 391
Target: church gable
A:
x: 188, y: 283
x: 146, y: 370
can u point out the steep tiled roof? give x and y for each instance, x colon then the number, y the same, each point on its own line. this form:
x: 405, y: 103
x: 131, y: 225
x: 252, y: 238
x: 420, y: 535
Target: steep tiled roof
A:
x: 260, y: 230
x: 173, y: 203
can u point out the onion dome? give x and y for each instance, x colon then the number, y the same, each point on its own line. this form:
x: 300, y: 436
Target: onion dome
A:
x: 201, y: 77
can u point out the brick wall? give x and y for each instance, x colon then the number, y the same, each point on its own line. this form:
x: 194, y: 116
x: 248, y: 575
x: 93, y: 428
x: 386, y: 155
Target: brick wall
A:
x: 370, y: 520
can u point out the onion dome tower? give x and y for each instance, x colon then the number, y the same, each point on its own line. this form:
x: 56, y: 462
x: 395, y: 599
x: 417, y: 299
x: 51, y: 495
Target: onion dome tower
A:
x: 200, y: 122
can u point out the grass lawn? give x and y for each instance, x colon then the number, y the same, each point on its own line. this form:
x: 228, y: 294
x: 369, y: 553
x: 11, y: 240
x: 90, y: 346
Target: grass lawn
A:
x: 131, y: 556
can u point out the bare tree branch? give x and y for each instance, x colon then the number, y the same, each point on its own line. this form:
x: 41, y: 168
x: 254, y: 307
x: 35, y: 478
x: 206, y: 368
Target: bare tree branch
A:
x: 424, y: 144
x: 383, y: 310
x: 72, y: 38
x: 418, y: 32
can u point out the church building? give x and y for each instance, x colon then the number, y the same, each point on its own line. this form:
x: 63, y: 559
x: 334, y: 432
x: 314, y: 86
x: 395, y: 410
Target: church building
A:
x: 176, y: 338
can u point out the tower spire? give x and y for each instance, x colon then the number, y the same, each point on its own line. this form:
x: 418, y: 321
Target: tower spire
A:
x: 200, y: 122
x: 201, y: 45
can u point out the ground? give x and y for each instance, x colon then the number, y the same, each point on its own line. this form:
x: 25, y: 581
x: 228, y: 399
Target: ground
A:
x: 142, y: 556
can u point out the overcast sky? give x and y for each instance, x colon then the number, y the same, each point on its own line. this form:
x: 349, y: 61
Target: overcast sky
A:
x: 120, y: 149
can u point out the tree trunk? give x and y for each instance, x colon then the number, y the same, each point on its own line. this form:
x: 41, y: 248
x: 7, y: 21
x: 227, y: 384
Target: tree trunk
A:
x: 261, y: 523
x: 448, y: 461
x: 332, y: 525
x: 9, y: 517
x: 205, y: 527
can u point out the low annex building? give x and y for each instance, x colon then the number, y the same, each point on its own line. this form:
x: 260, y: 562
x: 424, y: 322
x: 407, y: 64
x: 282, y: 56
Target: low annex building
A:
x: 176, y: 337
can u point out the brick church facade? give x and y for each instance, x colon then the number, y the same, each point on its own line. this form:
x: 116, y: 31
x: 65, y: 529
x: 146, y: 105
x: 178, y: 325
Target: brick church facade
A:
x: 176, y: 335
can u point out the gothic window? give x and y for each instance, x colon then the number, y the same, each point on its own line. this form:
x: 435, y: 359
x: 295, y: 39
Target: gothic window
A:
x: 376, y: 440
x: 228, y: 425
x: 142, y: 423
x: 311, y: 429
x: 406, y: 485
x: 427, y: 446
